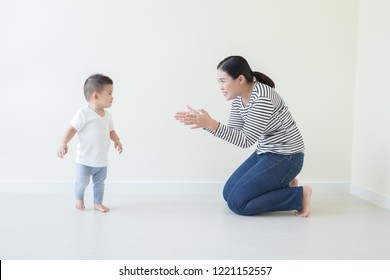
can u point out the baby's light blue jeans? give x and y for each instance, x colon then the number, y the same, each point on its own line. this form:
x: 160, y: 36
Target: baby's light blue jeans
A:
x: 83, y: 175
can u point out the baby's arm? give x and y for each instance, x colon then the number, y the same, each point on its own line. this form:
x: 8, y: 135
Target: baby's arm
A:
x: 117, y: 143
x: 63, y: 149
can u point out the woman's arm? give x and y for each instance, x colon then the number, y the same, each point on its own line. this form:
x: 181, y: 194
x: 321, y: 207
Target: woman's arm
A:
x: 238, y: 132
x: 197, y: 119
x: 253, y: 127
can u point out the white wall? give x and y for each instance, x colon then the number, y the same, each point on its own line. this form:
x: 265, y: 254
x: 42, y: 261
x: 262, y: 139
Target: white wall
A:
x: 162, y: 55
x: 371, y: 153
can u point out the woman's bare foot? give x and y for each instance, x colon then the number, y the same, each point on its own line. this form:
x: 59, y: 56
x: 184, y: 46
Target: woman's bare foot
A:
x: 293, y: 183
x: 305, y: 211
x: 80, y: 205
x: 101, y: 208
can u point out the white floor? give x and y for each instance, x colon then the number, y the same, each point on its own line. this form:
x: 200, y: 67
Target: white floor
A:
x: 188, y: 226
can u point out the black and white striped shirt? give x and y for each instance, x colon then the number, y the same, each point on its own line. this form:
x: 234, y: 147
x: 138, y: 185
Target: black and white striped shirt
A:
x: 265, y: 120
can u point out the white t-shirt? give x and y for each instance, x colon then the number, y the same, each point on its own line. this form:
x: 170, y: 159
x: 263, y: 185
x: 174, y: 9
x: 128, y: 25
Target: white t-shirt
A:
x: 94, y: 137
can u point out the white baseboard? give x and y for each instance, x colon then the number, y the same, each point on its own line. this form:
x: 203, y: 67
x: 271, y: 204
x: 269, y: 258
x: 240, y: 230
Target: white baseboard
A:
x: 157, y: 187
x: 327, y: 186
x: 370, y: 196
x: 115, y: 187
x: 128, y: 187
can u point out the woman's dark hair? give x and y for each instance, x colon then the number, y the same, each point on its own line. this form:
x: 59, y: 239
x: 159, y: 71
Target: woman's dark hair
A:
x: 236, y: 65
x: 95, y: 83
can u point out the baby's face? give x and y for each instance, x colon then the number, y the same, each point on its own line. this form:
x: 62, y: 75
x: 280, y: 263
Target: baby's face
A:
x: 105, y: 96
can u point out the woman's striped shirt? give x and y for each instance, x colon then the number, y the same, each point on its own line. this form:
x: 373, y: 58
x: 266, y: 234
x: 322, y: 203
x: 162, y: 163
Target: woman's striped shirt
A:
x: 265, y: 120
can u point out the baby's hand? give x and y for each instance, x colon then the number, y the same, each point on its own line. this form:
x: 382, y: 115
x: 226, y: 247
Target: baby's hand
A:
x: 62, y: 150
x: 118, y: 146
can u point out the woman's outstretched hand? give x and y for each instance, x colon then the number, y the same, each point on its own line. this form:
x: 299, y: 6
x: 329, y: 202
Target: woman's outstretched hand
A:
x: 197, y: 119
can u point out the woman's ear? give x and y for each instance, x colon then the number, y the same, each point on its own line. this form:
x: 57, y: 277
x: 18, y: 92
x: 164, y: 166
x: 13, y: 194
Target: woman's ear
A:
x: 241, y: 79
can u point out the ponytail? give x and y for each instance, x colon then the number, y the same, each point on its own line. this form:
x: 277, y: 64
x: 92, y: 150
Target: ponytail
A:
x: 235, y: 66
x: 263, y: 78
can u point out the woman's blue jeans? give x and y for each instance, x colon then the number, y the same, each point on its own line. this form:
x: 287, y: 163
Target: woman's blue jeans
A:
x: 83, y: 175
x: 261, y: 184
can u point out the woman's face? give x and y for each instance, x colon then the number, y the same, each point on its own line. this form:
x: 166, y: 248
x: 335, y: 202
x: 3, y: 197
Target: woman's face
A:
x: 229, y: 87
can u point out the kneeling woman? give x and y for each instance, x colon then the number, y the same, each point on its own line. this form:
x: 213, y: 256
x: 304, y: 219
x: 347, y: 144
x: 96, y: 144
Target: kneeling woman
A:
x: 266, y: 181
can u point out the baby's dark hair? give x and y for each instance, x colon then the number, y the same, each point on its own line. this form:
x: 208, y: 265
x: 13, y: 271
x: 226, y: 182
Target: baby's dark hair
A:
x: 95, y: 83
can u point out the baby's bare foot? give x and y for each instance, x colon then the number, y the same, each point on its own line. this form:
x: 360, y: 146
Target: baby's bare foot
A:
x: 80, y: 205
x: 101, y: 208
x: 305, y: 211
